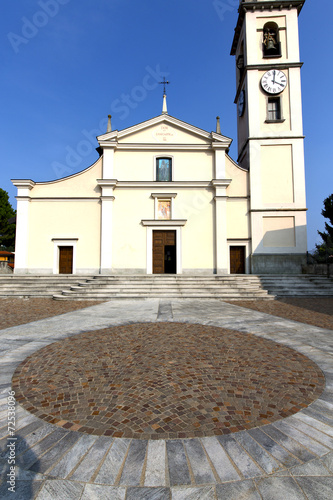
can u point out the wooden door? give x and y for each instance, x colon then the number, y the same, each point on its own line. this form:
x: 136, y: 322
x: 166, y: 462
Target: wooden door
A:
x: 237, y: 260
x: 65, y: 260
x: 164, y: 252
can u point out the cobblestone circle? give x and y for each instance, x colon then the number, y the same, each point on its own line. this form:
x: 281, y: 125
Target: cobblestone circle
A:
x: 165, y: 380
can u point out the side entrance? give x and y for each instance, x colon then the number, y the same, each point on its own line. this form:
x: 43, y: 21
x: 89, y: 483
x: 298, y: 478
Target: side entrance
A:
x: 164, y: 252
x: 237, y: 260
x: 65, y: 260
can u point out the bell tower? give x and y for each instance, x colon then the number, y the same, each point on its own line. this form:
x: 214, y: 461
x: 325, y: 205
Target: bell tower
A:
x: 270, y: 131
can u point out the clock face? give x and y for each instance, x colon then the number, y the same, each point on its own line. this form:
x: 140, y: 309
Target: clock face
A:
x: 241, y: 103
x: 274, y: 81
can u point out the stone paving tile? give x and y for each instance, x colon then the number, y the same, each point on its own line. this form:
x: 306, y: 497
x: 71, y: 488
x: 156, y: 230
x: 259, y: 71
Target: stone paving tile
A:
x: 32, y: 455
x: 274, y: 448
x: 307, y: 441
x: 178, y: 468
x: 134, y: 463
x: 241, y: 490
x: 152, y: 381
x: 290, y: 444
x: 156, y: 464
x: 261, y: 457
x: 164, y: 311
x: 316, y: 488
x: 242, y: 460
x: 113, y: 461
x: 322, y: 427
x: 201, y: 469
x: 276, y: 488
x: 328, y: 461
x: 29, y: 441
x: 25, y: 490
x: 148, y: 494
x: 51, y: 456
x: 71, y: 459
x: 97, y: 492
x: 58, y: 489
x: 92, y: 460
x: 23, y: 432
x: 312, y: 468
x: 312, y: 432
x: 220, y: 460
x: 203, y: 493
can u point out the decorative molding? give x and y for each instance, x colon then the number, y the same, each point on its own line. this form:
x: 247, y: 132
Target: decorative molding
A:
x: 162, y: 222
x: 291, y: 209
x: 163, y: 195
x: 107, y: 182
x: 64, y: 239
x: 97, y: 199
x: 161, y: 184
x: 23, y: 183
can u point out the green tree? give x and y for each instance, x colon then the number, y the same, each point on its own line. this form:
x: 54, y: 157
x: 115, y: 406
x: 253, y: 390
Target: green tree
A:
x: 325, y: 249
x: 7, y: 226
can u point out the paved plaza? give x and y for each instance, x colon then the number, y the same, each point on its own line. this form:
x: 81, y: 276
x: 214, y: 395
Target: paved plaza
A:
x: 178, y: 400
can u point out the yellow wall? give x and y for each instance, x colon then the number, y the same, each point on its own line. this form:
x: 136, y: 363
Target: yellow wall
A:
x: 277, y: 174
x: 140, y: 165
x: 82, y: 184
x: 66, y: 219
x: 238, y: 223
x: 240, y: 179
x: 279, y: 231
x: 130, y: 236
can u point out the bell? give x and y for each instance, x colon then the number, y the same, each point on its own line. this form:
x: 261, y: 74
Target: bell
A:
x: 270, y: 44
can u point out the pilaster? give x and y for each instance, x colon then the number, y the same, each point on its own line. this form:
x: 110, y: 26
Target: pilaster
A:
x: 107, y: 199
x: 22, y: 226
x: 221, y: 243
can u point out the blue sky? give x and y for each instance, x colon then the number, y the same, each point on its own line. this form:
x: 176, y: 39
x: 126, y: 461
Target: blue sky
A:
x: 67, y: 64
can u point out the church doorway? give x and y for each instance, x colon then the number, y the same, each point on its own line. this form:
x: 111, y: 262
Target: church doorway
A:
x: 164, y: 252
x: 66, y: 260
x: 237, y: 260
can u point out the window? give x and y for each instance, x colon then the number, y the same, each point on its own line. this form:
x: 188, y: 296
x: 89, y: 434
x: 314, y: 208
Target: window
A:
x: 274, y: 109
x: 164, y: 169
x: 271, y: 41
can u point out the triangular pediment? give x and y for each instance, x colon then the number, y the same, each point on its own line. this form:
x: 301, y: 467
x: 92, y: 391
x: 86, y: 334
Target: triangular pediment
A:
x: 164, y: 129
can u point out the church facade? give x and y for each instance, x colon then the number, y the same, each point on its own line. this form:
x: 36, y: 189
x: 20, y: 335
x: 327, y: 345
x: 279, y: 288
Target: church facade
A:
x: 164, y: 197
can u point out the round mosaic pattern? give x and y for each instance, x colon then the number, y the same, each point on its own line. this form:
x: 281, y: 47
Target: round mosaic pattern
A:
x: 165, y: 380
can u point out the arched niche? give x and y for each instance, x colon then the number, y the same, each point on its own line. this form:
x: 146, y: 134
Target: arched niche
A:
x: 271, y: 40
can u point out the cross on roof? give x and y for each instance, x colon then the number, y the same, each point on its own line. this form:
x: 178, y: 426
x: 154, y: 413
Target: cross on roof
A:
x: 165, y: 82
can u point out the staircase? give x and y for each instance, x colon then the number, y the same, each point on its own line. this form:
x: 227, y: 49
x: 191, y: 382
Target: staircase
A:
x: 167, y: 286
x: 301, y: 285
x: 228, y: 287
x: 25, y: 286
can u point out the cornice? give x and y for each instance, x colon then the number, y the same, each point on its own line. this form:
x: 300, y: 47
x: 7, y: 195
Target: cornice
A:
x: 163, y: 185
x: 107, y: 182
x: 221, y: 182
x: 164, y: 147
x: 159, y: 195
x: 23, y: 183
x: 279, y: 209
x: 163, y: 222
